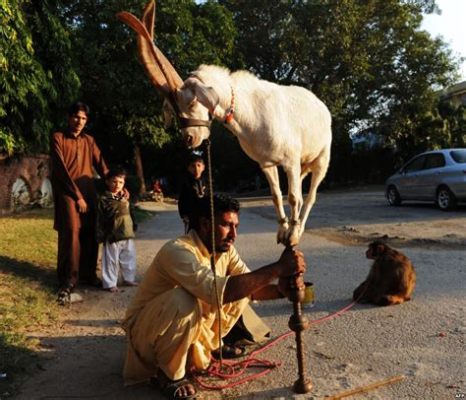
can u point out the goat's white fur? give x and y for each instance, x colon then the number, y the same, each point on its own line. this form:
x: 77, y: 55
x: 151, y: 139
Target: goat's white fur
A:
x: 275, y: 125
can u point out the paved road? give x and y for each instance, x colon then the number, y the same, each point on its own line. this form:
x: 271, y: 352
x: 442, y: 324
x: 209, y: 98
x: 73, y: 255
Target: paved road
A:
x: 423, y: 339
x: 362, y: 215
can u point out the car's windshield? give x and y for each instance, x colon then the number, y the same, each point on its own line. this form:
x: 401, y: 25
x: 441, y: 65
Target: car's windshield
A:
x: 459, y: 156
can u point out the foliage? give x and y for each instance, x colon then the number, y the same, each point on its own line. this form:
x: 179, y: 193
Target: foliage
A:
x: 369, y: 61
x: 238, y: 170
x: 36, y: 74
x: 127, y: 108
x: 141, y: 215
x: 454, y: 120
x: 133, y: 185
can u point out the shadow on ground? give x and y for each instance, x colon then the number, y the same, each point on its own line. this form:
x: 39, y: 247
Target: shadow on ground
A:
x: 23, y: 269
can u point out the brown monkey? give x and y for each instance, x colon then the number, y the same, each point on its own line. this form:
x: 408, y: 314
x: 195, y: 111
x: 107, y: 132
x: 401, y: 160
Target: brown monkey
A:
x: 391, y: 279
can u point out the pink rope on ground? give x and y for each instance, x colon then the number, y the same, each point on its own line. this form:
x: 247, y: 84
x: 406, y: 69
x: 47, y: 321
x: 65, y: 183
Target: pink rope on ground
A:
x: 235, y: 369
x: 335, y: 314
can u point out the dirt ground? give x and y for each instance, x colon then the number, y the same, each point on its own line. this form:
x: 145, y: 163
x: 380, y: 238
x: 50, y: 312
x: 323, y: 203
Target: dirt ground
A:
x: 422, y: 340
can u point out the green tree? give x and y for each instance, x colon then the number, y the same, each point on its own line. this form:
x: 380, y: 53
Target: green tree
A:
x: 127, y: 109
x: 36, y: 75
x: 368, y: 60
x: 454, y: 119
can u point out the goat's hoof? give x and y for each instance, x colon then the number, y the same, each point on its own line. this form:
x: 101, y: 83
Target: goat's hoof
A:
x: 281, y: 239
x: 294, y: 235
x: 289, y: 241
x: 282, y: 233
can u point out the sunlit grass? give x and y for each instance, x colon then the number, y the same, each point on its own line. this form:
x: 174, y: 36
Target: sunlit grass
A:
x: 28, y: 252
x: 27, y: 284
x: 29, y: 237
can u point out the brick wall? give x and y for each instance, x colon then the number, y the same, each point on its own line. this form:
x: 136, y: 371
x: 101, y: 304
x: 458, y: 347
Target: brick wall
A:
x: 32, y: 169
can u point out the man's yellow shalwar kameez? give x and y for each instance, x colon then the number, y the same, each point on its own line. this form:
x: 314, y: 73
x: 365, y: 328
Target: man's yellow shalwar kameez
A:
x: 171, y: 323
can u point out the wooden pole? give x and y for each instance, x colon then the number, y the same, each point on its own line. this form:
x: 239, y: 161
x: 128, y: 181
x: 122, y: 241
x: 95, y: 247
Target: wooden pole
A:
x: 297, y: 324
x: 366, y: 388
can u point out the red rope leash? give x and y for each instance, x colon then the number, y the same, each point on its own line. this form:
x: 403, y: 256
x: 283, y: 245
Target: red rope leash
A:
x: 334, y: 315
x: 228, y: 369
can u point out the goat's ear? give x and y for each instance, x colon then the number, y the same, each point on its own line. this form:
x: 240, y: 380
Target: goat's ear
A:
x: 167, y: 114
x: 185, y: 96
x: 206, y: 95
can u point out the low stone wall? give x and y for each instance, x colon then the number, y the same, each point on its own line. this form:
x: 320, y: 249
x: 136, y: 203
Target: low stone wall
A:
x: 22, y: 182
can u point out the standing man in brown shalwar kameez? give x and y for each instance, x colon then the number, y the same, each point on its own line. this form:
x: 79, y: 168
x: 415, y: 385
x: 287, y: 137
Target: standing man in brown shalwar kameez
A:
x: 74, y: 154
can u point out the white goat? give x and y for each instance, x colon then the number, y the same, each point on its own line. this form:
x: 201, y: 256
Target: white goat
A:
x: 276, y: 125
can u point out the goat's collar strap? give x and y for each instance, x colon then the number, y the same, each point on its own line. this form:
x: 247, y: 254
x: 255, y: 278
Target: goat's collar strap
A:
x: 231, y: 110
x: 188, y: 122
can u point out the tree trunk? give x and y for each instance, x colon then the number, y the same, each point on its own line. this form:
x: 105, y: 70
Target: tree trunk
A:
x: 139, y: 169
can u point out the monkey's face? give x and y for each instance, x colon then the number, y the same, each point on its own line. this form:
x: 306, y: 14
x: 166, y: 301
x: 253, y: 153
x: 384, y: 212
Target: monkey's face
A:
x: 375, y: 250
x: 370, y: 254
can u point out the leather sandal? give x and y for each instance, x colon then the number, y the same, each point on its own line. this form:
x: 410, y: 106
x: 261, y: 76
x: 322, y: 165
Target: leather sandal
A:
x: 229, y: 351
x: 173, y: 389
x: 64, y: 296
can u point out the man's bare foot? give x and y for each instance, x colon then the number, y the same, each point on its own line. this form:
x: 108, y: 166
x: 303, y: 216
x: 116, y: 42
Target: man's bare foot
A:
x: 113, y: 289
x: 129, y: 283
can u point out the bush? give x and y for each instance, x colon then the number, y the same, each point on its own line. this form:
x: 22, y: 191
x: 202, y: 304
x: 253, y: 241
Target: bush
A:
x: 133, y: 184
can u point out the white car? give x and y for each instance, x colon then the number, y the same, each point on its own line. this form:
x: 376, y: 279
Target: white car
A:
x: 438, y: 175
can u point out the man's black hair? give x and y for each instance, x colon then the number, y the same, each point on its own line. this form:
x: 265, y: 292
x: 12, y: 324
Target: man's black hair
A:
x: 117, y: 171
x: 222, y: 203
x: 195, y: 157
x: 78, y: 106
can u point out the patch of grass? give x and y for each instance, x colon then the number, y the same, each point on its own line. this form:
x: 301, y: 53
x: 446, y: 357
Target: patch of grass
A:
x: 28, y: 253
x: 141, y: 215
x: 27, y: 286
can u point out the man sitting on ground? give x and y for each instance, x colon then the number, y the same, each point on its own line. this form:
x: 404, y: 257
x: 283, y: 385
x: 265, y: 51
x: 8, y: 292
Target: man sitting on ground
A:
x: 171, y: 322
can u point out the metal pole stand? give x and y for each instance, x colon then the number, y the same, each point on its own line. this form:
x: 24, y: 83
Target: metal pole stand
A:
x: 297, y: 324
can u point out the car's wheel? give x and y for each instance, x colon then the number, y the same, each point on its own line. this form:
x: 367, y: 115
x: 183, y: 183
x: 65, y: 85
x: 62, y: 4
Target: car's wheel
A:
x: 393, y: 197
x: 445, y: 198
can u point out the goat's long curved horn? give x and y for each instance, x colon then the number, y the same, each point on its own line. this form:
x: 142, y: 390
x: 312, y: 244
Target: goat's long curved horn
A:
x: 148, y: 18
x: 156, y: 76
x: 162, y: 74
x: 173, y: 79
